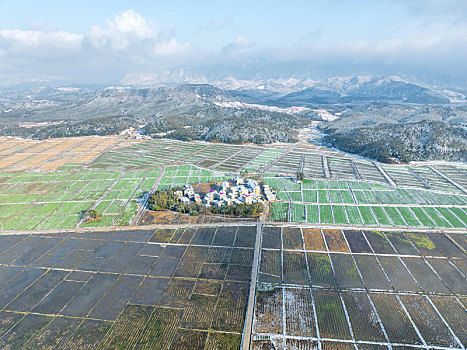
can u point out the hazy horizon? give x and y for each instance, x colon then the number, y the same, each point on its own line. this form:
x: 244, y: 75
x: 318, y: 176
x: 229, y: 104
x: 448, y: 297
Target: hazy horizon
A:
x: 90, y: 43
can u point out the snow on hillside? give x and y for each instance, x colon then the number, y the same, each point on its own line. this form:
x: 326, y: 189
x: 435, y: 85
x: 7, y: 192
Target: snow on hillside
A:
x: 240, y: 105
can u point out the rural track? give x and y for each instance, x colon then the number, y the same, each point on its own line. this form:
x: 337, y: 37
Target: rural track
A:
x: 231, y: 156
x: 237, y: 223
x: 143, y: 205
x: 248, y: 326
x: 278, y: 159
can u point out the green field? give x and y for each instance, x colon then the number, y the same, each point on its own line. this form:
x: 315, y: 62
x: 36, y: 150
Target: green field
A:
x: 43, y: 201
x: 113, y: 183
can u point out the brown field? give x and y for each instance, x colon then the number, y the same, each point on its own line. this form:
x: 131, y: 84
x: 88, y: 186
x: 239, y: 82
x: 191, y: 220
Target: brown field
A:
x: 165, y: 217
x: 313, y: 239
x: 335, y: 241
x: 49, y: 155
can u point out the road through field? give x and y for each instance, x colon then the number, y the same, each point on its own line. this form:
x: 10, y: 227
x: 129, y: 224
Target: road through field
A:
x: 246, y: 337
x: 143, y: 206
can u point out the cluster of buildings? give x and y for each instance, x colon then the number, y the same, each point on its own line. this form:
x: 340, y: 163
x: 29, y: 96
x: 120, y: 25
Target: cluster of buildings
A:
x: 135, y: 134
x: 240, y: 191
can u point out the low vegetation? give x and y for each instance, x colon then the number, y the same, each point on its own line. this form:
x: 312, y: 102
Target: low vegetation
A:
x: 89, y: 215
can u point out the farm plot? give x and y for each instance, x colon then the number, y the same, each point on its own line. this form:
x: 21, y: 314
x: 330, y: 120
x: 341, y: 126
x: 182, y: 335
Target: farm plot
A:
x: 325, y: 213
x: 339, y: 214
x: 341, y: 168
x: 331, y: 316
x: 299, y: 314
x: 268, y: 311
x: 55, y: 154
x: 403, y: 176
x: 279, y: 211
x: 289, y: 164
x: 313, y: 239
x: 270, y: 266
x: 58, y: 200
x: 159, y: 152
x: 363, y: 318
x: 434, y: 180
x: 397, y: 324
x: 432, y: 329
x: 107, y: 290
x: 178, y: 176
x: 369, y: 172
x: 453, y: 172
x: 346, y: 272
x: 367, y: 297
x: 262, y: 161
x: 369, y: 204
x: 313, y: 166
x: 321, y: 270
x: 235, y: 163
x: 298, y: 212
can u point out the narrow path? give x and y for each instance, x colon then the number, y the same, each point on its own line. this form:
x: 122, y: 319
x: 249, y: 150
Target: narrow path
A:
x: 236, y: 223
x: 143, y: 205
x: 230, y: 157
x: 286, y: 152
x: 447, y: 178
x: 385, y: 175
x: 248, y: 327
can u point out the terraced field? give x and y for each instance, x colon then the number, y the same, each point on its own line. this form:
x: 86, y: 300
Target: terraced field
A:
x: 100, y: 174
x: 360, y: 289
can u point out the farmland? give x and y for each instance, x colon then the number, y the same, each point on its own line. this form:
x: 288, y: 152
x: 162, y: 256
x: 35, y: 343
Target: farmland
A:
x: 41, y: 201
x: 56, y: 154
x: 48, y: 184
x: 362, y: 203
x: 357, y: 255
x: 166, y: 288
x: 361, y: 289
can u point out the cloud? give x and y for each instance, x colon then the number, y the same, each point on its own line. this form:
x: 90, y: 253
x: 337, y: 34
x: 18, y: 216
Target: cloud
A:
x: 239, y: 46
x: 417, y: 43
x: 126, y: 28
x: 313, y: 35
x: 123, y: 42
x: 39, y: 44
x: 130, y: 32
x: 129, y: 42
x: 171, y: 47
x: 453, y: 9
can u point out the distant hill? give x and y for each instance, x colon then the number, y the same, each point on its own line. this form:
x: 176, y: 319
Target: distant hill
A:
x: 370, y: 109
x: 423, y: 140
x: 357, y: 90
x: 305, y: 91
x: 185, y: 112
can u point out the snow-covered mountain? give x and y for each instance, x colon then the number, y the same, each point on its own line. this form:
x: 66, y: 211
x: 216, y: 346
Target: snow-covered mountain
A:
x: 359, y: 88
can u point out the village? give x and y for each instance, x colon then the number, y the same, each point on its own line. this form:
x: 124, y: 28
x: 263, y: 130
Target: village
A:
x: 135, y: 133
x: 240, y: 191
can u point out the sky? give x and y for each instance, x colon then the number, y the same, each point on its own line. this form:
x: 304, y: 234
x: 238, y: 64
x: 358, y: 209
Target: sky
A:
x: 104, y: 41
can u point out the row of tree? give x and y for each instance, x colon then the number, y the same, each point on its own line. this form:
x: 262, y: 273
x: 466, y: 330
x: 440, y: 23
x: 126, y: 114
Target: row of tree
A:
x: 166, y: 200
